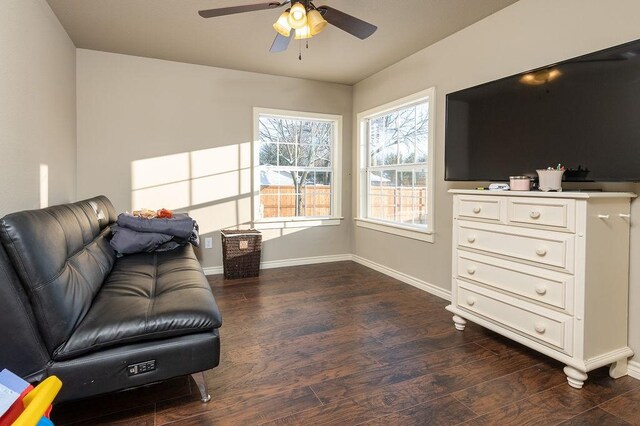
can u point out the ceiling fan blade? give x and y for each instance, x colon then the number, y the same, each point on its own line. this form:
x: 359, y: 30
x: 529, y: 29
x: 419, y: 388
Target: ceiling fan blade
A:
x: 222, y: 11
x: 351, y: 24
x: 280, y: 43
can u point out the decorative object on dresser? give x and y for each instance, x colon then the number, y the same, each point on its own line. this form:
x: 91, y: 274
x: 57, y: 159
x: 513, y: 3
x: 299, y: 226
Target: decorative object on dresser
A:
x: 519, y: 183
x: 548, y: 270
x: 550, y: 179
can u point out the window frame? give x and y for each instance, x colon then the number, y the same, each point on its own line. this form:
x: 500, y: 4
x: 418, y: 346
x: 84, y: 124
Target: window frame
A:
x: 418, y: 232
x: 336, y: 171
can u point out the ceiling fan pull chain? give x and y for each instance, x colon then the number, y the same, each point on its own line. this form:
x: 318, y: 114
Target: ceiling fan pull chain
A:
x: 300, y: 50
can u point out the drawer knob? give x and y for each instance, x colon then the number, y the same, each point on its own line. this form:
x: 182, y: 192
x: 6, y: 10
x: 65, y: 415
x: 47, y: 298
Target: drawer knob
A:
x: 603, y: 216
x: 477, y: 209
x: 471, y: 270
x: 534, y: 215
x: 540, y: 328
x: 541, y: 289
x: 471, y: 301
x: 541, y: 251
x: 471, y: 238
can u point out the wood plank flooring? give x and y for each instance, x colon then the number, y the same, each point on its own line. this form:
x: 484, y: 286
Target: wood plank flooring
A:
x: 341, y: 344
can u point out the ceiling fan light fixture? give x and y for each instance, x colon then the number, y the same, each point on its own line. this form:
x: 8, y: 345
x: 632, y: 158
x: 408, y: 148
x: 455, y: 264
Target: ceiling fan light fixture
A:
x: 303, y: 33
x: 282, y: 24
x: 315, y: 22
x: 297, y: 16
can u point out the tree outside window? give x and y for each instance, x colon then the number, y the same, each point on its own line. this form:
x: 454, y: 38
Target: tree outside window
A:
x: 295, y: 166
x: 396, y: 169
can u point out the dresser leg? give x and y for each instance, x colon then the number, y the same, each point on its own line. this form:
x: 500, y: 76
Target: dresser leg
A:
x: 618, y: 369
x: 459, y: 322
x: 575, y: 377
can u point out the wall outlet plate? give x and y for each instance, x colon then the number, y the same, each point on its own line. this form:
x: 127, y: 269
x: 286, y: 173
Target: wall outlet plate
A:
x: 208, y: 243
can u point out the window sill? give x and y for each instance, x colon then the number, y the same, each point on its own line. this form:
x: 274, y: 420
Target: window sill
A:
x: 297, y: 223
x: 399, y: 230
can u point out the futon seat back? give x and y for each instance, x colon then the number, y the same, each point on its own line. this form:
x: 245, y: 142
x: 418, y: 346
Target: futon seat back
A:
x: 22, y: 348
x: 61, y: 255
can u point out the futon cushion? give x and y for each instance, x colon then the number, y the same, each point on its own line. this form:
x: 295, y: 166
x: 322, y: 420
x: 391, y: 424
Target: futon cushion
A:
x: 146, y: 296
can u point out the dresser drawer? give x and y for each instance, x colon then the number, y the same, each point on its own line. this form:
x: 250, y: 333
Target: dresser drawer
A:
x: 542, y: 247
x: 554, y: 289
x: 547, y: 213
x: 485, y: 207
x: 551, y: 328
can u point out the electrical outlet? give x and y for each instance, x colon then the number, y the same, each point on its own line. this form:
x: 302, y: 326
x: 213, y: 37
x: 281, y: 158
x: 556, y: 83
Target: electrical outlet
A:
x: 208, y: 242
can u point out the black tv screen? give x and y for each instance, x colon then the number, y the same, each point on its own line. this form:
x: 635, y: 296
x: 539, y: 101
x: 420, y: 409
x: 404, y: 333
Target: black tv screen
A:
x: 583, y: 113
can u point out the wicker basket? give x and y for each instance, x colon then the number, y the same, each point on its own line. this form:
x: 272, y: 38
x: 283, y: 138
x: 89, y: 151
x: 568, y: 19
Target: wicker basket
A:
x: 241, y: 253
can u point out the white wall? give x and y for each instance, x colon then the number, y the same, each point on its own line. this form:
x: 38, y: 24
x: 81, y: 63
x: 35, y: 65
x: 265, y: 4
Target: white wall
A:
x: 525, y: 35
x: 37, y: 106
x: 155, y: 133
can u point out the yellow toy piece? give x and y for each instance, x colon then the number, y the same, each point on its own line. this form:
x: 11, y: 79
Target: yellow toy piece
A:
x: 38, y: 401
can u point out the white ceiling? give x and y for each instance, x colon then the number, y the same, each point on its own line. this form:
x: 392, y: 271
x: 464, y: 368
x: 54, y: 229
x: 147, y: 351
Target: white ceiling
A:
x: 173, y: 30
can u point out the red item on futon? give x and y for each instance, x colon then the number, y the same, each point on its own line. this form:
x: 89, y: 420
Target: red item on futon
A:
x: 164, y: 213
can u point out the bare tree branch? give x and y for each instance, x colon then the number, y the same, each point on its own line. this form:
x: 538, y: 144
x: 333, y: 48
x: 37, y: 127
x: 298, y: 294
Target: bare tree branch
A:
x: 297, y: 144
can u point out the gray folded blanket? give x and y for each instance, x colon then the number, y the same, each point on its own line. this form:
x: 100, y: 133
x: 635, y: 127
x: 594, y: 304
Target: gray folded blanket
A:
x: 180, y: 225
x: 133, y: 234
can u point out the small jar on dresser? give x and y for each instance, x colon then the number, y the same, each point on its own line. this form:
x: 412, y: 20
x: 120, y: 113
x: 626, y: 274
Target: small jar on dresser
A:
x: 549, y: 270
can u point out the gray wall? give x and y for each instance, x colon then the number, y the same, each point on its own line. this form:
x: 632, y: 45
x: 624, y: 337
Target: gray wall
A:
x: 155, y: 133
x: 525, y: 35
x: 37, y: 106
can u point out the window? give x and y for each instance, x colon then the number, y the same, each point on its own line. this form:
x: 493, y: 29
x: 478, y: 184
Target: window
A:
x: 395, y: 159
x: 297, y: 167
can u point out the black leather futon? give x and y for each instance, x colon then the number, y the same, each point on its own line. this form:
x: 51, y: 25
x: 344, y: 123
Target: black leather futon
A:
x: 69, y: 307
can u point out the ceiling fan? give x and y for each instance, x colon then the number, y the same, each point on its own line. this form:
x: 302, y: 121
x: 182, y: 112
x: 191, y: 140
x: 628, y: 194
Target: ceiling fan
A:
x: 301, y: 21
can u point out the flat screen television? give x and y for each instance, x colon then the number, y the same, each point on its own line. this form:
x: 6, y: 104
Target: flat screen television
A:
x: 583, y: 113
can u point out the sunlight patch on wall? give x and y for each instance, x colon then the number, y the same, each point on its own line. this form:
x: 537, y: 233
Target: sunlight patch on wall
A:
x: 161, y: 182
x: 207, y: 162
x: 187, y: 179
x: 158, y: 171
x: 223, y: 215
x: 271, y: 234
x: 44, y: 186
x: 173, y: 196
x: 220, y: 173
x: 212, y: 185
x: 216, y: 187
x: 245, y: 167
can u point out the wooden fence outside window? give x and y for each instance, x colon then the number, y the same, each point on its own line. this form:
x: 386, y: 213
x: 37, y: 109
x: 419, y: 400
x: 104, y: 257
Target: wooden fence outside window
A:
x: 406, y: 205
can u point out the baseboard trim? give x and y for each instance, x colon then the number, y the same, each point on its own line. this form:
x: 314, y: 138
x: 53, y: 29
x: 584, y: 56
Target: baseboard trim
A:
x: 401, y: 276
x: 270, y: 264
x: 213, y: 270
x: 305, y: 261
x: 633, y: 369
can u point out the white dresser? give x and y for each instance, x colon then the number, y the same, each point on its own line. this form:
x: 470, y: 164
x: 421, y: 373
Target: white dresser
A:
x: 549, y: 270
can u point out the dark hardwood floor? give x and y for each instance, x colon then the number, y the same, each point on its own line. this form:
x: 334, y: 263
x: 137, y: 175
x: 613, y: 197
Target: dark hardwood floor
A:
x: 338, y: 343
